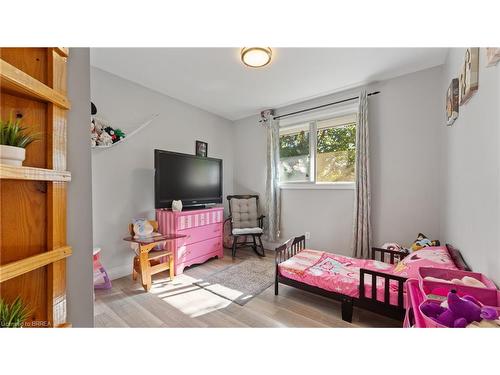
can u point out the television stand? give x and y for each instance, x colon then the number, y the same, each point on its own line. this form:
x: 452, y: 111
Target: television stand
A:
x: 204, y: 234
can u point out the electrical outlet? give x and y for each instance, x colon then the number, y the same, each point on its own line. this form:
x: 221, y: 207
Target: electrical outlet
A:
x: 308, y: 235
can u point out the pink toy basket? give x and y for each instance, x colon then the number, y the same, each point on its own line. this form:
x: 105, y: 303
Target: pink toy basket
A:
x: 487, y: 296
x: 414, y: 297
x: 429, y: 323
x: 419, y: 291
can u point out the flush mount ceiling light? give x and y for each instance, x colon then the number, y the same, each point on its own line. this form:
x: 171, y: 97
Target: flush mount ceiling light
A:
x: 256, y: 57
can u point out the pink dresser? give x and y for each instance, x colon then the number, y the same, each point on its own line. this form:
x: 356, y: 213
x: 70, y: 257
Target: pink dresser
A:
x: 204, y: 230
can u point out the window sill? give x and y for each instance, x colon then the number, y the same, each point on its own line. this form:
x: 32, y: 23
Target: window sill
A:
x: 324, y: 186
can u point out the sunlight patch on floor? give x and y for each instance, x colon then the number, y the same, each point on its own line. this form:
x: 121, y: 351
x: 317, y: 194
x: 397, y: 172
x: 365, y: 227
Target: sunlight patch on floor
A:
x: 222, y: 290
x: 190, y: 299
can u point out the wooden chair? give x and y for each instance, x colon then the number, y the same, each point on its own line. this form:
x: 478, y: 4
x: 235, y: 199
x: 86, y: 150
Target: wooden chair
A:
x: 245, y: 221
x: 149, y: 262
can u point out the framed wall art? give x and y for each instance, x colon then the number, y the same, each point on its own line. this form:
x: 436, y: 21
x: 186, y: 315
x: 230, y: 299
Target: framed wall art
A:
x: 469, y: 75
x: 492, y: 56
x: 201, y: 148
x: 452, y: 102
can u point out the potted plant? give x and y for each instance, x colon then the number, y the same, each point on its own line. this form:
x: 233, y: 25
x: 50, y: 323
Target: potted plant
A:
x: 13, y: 315
x: 13, y: 141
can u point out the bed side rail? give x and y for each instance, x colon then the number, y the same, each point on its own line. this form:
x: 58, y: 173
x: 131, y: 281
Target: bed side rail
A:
x: 393, y: 254
x: 290, y: 248
x: 373, y: 283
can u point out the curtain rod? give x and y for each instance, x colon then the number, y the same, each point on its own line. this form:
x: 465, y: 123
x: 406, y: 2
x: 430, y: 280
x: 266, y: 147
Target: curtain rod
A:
x: 324, y: 105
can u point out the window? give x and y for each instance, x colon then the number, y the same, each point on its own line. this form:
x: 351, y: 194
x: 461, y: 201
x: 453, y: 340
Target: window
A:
x: 295, y: 155
x: 319, y: 152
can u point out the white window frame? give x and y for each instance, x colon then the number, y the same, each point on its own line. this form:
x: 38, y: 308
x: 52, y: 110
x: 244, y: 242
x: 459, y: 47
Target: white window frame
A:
x: 313, y: 141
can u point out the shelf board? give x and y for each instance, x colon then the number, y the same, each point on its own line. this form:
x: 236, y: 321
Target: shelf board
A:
x: 20, y: 267
x: 17, y: 81
x: 14, y: 172
x: 62, y: 51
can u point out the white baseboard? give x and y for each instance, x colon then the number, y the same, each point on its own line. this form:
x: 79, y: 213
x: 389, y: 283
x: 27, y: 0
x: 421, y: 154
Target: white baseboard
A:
x: 120, y: 271
x: 126, y: 269
x: 271, y: 245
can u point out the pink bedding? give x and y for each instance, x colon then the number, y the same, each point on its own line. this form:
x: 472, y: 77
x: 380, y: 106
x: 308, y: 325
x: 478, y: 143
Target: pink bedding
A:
x: 437, y: 257
x: 340, y: 274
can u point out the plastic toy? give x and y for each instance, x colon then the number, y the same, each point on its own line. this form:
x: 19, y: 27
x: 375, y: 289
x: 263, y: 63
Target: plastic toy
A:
x: 101, y: 278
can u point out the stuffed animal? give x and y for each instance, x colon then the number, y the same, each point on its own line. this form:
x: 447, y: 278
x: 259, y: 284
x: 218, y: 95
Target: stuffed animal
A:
x: 111, y: 132
x: 116, y: 134
x: 93, y: 139
x: 466, y: 280
x: 93, y: 134
x: 142, y: 227
x: 100, y: 133
x: 460, y: 312
x: 120, y: 134
x: 392, y: 246
x: 176, y: 205
x: 99, y: 126
x: 421, y: 242
x: 104, y: 139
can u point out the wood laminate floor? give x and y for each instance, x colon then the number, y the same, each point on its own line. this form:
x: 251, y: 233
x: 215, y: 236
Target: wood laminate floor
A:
x: 179, y: 303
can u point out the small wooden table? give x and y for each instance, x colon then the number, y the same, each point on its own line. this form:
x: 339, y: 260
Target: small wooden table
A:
x: 142, y: 262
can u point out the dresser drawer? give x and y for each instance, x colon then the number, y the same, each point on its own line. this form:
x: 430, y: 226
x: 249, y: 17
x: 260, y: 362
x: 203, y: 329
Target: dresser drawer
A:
x: 201, y: 233
x: 198, y: 249
x: 191, y: 220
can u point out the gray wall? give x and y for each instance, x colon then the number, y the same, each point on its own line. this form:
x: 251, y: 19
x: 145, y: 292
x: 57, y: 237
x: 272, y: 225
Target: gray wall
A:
x: 123, y: 186
x: 470, y: 203
x: 404, y: 123
x: 79, y: 269
x: 404, y: 128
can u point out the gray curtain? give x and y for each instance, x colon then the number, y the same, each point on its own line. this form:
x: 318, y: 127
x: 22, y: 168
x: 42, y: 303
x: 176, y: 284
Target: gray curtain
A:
x: 362, y: 225
x: 273, y: 194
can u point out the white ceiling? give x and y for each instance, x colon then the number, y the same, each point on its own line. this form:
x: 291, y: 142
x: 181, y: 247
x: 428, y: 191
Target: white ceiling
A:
x: 214, y: 79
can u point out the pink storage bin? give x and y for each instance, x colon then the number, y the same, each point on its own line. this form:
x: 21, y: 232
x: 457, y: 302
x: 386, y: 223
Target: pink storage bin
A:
x: 418, y: 291
x: 414, y: 298
x: 487, y: 296
x: 429, y: 323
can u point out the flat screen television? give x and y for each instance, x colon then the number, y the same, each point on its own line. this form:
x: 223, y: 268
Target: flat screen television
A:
x: 195, y: 180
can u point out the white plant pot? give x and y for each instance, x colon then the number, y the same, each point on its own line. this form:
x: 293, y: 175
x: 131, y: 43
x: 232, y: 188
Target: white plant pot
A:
x: 12, y: 155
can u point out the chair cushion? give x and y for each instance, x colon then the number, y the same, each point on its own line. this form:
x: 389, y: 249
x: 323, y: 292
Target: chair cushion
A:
x: 238, y: 231
x: 244, y: 213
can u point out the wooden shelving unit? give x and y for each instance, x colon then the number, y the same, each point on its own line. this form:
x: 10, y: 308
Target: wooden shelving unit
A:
x: 33, y: 248
x: 18, y: 82
x: 20, y: 267
x: 30, y: 173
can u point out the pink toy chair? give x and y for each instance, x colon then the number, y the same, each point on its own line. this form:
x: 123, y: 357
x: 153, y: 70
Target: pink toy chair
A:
x: 101, y: 278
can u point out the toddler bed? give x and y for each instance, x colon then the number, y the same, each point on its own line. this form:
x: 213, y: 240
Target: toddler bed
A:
x: 339, y: 277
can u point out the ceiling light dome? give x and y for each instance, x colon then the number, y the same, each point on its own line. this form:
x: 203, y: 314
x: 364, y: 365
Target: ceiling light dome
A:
x: 256, y: 57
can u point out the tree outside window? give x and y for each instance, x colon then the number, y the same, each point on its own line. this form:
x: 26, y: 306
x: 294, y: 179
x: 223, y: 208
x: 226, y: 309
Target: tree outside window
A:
x: 334, y: 154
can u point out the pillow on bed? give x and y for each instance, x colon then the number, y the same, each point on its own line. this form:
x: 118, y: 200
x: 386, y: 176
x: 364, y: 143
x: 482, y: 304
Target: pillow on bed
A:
x: 457, y: 258
x: 428, y: 257
x: 422, y: 241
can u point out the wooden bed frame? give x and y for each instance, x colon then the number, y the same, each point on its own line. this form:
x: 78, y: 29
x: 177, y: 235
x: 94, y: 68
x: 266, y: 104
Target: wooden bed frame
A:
x: 292, y: 247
